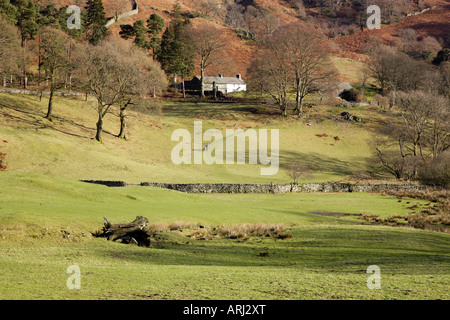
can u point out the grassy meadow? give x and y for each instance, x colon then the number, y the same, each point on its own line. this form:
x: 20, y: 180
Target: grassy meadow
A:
x: 65, y: 148
x: 48, y: 217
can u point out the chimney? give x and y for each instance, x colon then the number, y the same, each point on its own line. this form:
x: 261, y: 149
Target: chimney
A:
x: 239, y: 76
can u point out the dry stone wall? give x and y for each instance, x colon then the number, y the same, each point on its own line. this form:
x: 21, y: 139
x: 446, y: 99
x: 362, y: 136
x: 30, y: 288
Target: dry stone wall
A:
x: 268, y: 188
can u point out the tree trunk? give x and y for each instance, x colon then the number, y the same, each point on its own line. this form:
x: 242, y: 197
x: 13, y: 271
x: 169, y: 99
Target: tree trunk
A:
x: 184, y: 89
x: 50, y: 106
x: 202, y: 85
x: 128, y: 233
x: 39, y: 60
x: 50, y: 100
x: 70, y: 82
x: 297, y: 97
x: 300, y: 106
x: 123, y: 124
x: 175, y: 82
x: 24, y: 71
x: 98, y: 135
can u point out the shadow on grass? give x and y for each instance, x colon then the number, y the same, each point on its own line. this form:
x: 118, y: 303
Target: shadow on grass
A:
x: 328, y: 249
x: 319, y: 162
x: 31, y: 118
x: 216, y: 110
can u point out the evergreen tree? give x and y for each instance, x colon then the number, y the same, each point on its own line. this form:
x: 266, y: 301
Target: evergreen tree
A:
x: 27, y: 18
x: 140, y: 33
x: 155, y: 25
x: 49, y: 16
x: 8, y: 11
x: 95, y: 21
x: 172, y: 55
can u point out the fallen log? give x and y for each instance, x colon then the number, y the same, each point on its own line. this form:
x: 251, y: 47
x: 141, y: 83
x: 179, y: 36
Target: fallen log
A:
x: 133, y: 232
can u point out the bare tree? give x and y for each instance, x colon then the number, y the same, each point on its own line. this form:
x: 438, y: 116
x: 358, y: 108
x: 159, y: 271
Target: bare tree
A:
x: 294, y: 57
x: 415, y: 113
x: 395, y: 71
x: 139, y: 76
x: 119, y: 6
x: 270, y: 72
x: 101, y: 72
x: 426, y: 119
x: 209, y: 48
x: 235, y: 16
x: 118, y: 73
x: 209, y: 8
x: 298, y: 170
x: 55, y: 47
x: 9, y: 49
x: 422, y: 133
x: 308, y: 56
x: 267, y: 22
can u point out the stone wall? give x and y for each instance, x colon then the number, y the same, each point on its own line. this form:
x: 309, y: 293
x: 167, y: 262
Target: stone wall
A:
x: 268, y: 188
x: 31, y: 92
x: 134, y: 11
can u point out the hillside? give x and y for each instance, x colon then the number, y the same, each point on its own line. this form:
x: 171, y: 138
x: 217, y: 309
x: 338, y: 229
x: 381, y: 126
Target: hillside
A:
x: 433, y: 23
x: 33, y: 144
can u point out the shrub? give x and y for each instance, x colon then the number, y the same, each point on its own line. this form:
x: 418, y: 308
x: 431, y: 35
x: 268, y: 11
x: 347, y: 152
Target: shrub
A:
x: 158, y: 227
x: 436, y: 172
x: 180, y: 225
x: 351, y: 95
x: 242, y: 231
x: 381, y: 100
x: 298, y: 171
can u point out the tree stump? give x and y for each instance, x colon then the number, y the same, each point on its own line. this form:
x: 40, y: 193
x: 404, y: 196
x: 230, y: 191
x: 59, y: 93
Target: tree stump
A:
x: 133, y: 232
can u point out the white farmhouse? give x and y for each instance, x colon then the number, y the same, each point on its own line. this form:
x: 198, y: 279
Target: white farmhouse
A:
x: 223, y: 84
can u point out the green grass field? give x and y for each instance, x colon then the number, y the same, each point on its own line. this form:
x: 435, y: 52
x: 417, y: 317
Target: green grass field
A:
x: 326, y: 257
x: 47, y: 216
x: 65, y: 148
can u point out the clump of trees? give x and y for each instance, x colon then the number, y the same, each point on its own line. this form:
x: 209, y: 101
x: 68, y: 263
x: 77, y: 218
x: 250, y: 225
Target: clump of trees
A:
x: 9, y: 49
x: 416, y: 141
x: 145, y: 33
x: 416, y: 144
x: 115, y: 72
x: 293, y: 59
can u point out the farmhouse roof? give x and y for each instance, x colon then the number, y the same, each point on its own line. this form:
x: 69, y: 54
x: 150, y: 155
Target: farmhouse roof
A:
x: 344, y: 86
x: 222, y: 80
